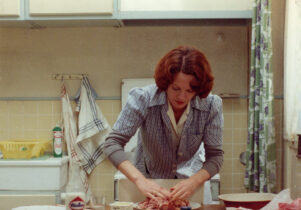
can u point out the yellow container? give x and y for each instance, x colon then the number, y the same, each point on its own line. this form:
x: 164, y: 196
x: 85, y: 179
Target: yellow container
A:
x: 23, y: 149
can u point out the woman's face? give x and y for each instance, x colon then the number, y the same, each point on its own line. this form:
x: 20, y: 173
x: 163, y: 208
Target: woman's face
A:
x: 179, y: 93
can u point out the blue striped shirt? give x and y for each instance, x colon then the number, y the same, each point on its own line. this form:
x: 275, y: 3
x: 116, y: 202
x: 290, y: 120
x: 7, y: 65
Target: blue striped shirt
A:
x: 157, y: 155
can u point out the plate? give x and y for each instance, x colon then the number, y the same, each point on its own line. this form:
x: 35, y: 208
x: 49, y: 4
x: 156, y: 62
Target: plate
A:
x: 193, y: 205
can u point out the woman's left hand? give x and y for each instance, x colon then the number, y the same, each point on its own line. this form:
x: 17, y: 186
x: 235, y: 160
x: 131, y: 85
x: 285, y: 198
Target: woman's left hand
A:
x: 184, y: 189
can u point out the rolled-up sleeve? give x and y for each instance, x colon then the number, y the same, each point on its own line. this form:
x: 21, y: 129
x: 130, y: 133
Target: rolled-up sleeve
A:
x: 129, y: 120
x: 213, y: 137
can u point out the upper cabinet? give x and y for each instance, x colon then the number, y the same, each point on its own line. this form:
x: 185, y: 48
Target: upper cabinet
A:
x: 10, y: 8
x: 178, y: 9
x: 45, y: 13
x: 70, y: 7
x: 12, y: 13
x: 58, y: 13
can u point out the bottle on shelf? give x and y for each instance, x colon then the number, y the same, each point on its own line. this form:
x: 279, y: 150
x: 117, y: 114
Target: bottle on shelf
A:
x: 57, y: 141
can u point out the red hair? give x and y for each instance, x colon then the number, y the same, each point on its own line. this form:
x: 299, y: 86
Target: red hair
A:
x: 187, y: 60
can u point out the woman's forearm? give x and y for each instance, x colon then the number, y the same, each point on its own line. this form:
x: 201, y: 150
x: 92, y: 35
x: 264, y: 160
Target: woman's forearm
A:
x: 130, y: 171
x: 200, y: 177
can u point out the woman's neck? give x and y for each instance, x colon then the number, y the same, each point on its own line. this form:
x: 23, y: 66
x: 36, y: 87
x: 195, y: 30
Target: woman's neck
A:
x: 178, y: 114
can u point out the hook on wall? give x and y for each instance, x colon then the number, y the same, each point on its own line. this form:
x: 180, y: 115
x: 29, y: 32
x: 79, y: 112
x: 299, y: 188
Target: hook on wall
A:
x: 68, y: 76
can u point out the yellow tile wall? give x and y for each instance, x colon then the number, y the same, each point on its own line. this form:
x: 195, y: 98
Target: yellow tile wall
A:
x: 296, y: 189
x: 235, y: 137
x: 35, y: 119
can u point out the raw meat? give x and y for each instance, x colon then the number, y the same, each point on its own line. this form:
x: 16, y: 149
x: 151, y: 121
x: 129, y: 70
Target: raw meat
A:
x: 295, y: 205
x: 162, y: 204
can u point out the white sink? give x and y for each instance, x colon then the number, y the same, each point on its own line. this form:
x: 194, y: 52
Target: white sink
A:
x: 47, y: 175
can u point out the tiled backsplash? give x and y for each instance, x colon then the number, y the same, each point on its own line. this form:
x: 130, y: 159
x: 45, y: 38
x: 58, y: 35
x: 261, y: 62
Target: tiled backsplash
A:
x: 235, y: 137
x: 36, y: 119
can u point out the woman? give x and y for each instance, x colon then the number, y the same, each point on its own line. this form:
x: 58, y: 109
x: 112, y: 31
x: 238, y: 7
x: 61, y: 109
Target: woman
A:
x: 174, y: 116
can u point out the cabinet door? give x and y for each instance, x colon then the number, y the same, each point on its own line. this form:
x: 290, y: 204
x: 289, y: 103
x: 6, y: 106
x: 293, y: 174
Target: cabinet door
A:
x: 184, y: 5
x: 185, y: 9
x: 70, y: 7
x: 10, y: 8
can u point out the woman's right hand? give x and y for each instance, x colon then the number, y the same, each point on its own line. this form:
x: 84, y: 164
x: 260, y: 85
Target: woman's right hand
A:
x: 151, y: 189
x: 146, y: 186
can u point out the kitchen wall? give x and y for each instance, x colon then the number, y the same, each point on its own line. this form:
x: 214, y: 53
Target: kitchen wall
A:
x: 35, y: 119
x: 107, y: 55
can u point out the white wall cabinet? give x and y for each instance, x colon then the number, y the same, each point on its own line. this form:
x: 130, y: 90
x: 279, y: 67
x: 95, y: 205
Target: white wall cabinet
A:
x: 45, y: 13
x: 70, y: 7
x: 12, y: 13
x: 60, y: 13
x: 155, y: 9
x: 10, y: 8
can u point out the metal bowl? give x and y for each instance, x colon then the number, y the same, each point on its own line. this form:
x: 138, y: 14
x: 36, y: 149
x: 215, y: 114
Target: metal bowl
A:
x: 246, y: 200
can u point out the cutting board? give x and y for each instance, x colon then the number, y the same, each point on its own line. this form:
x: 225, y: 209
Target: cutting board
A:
x: 127, y: 191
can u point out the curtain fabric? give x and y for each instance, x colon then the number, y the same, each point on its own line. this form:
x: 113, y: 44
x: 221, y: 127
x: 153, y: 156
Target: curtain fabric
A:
x: 260, y: 175
x: 292, y: 70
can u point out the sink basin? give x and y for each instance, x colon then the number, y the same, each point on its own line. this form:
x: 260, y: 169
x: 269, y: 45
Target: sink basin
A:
x: 38, y: 174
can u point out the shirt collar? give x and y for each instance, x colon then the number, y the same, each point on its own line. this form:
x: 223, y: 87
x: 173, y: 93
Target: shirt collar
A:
x: 202, y: 104
x: 160, y: 98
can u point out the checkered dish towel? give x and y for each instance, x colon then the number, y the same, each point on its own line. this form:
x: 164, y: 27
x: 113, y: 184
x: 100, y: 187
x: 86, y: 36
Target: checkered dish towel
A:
x: 70, y: 133
x: 93, y: 128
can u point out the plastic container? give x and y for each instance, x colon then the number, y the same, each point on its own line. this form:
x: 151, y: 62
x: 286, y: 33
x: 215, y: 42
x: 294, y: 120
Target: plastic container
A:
x: 57, y: 141
x: 23, y: 149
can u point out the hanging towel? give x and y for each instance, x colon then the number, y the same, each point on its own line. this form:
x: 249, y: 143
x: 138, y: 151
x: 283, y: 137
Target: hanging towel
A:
x: 93, y: 128
x: 70, y: 133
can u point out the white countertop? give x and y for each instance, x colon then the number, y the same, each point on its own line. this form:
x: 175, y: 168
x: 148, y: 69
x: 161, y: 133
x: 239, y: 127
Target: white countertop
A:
x: 42, y: 161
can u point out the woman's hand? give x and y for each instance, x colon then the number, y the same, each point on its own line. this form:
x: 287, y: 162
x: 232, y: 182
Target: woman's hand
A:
x: 146, y: 186
x: 184, y: 189
x: 187, y: 187
x: 151, y: 189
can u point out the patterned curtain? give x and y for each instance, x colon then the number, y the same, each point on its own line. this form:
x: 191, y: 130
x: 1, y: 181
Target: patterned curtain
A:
x: 260, y: 173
